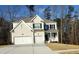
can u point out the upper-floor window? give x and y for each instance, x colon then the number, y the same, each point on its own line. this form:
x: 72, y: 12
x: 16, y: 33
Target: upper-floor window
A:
x: 52, y: 26
x: 46, y: 27
x: 37, y: 25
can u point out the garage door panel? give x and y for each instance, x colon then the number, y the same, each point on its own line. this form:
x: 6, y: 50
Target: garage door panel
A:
x: 23, y: 40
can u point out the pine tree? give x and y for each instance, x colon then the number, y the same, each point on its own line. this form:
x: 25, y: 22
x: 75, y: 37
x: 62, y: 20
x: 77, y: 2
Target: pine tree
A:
x: 70, y: 24
x: 31, y: 9
x: 47, y: 13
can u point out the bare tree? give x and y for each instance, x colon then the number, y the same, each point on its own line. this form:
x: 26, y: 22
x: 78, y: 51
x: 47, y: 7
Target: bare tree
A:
x: 75, y: 26
x: 62, y: 13
x: 70, y: 23
x: 54, y: 11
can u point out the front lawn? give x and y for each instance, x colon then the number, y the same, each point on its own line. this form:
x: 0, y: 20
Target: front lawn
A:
x: 58, y: 46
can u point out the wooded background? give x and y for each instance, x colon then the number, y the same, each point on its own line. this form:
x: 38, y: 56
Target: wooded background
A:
x: 66, y: 16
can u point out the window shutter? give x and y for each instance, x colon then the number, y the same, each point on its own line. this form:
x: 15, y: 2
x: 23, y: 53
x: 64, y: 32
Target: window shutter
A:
x: 33, y: 26
x: 40, y: 25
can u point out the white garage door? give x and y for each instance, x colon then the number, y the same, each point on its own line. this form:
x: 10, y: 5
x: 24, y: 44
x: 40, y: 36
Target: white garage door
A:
x: 23, y: 40
x: 39, y: 40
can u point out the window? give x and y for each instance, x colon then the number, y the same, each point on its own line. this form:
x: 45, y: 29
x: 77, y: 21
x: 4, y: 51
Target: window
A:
x: 37, y: 25
x: 52, y: 26
x: 46, y: 27
x: 53, y: 34
x: 48, y: 34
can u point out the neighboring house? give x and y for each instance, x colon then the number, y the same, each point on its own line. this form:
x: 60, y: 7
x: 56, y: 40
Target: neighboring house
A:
x: 34, y: 30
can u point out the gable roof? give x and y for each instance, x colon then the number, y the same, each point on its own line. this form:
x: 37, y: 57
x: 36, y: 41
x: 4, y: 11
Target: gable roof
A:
x: 28, y: 20
x: 25, y: 19
x: 19, y: 24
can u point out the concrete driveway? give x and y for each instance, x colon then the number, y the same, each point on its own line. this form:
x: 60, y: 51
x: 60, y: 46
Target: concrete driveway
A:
x: 26, y: 49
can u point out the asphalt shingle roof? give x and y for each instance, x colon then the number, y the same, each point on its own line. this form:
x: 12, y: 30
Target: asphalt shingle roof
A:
x: 28, y: 19
x: 48, y: 21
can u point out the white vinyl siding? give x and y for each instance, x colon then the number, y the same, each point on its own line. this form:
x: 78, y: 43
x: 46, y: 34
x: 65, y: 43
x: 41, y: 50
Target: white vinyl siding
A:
x: 39, y: 37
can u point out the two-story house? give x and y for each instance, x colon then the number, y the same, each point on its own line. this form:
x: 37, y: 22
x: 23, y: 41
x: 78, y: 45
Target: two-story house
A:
x: 34, y: 30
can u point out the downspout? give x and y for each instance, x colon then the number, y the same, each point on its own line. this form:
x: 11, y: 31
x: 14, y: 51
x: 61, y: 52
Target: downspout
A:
x: 33, y: 34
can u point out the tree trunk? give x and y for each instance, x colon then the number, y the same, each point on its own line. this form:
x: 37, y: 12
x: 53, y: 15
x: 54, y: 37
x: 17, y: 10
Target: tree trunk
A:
x: 76, y: 33
x: 61, y: 30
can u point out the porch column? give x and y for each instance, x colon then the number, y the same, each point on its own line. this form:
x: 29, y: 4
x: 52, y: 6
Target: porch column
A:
x: 49, y: 27
x: 50, y: 36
